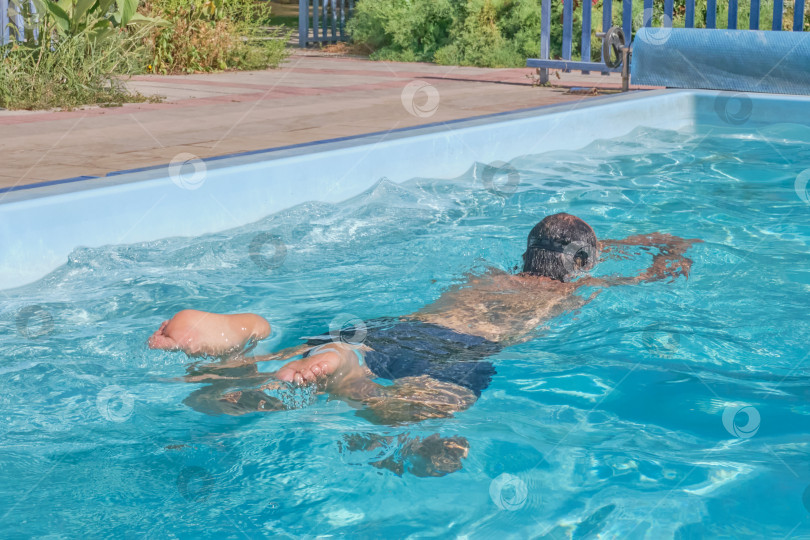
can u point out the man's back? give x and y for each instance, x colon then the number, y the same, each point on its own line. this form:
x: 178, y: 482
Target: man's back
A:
x: 501, y: 307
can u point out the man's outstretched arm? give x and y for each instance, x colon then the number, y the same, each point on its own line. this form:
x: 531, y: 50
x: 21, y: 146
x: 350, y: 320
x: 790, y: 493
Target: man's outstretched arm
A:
x: 669, y: 262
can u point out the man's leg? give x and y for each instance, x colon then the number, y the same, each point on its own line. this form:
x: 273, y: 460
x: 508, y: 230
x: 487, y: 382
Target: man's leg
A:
x: 409, y: 399
x: 335, y: 369
x: 236, y: 386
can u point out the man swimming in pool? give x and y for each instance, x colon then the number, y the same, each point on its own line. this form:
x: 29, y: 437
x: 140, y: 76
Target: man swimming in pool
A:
x: 435, y: 359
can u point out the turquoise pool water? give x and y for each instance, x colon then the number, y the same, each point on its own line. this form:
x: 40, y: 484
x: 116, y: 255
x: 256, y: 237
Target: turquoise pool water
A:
x: 661, y: 410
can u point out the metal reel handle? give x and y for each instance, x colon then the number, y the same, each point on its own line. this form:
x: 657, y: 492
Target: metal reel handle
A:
x: 612, y: 45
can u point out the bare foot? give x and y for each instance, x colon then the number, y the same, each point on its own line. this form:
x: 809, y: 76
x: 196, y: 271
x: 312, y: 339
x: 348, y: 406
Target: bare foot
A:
x: 201, y: 333
x: 329, y: 366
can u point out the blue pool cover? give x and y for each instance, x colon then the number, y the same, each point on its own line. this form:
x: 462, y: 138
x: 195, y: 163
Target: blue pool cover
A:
x: 740, y: 60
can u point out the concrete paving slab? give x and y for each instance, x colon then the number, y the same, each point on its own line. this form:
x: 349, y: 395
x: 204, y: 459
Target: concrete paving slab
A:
x: 312, y: 97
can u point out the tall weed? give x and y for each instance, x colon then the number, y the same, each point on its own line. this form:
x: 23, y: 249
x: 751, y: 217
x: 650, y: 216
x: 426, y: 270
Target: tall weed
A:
x: 70, y: 70
x: 208, y: 35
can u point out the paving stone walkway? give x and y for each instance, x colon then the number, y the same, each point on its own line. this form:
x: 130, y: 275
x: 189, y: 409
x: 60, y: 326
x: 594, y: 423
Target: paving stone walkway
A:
x: 312, y: 97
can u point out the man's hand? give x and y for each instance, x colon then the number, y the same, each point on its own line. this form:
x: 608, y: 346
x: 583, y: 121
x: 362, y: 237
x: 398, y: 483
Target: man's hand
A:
x: 669, y: 262
x: 665, y: 265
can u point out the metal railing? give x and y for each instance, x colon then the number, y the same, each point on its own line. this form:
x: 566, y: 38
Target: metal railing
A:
x: 586, y: 65
x: 5, y: 23
x: 12, y: 22
x: 323, y: 21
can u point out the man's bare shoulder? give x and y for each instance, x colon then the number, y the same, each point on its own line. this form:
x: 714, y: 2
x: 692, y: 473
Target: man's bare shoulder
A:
x: 530, y: 283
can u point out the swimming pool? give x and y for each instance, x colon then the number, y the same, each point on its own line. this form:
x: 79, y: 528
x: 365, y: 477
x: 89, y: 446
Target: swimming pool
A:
x: 662, y: 410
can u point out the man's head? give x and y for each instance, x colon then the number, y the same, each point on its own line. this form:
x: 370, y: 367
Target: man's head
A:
x: 559, y: 247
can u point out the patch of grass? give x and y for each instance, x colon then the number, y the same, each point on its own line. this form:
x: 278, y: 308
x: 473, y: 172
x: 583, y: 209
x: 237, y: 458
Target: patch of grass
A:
x: 290, y: 21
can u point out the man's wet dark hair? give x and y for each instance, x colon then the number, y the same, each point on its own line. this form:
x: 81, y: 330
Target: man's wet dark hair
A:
x: 560, y: 246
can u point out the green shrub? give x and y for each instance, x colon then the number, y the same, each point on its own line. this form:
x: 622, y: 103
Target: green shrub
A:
x: 483, y: 37
x: 403, y: 30
x: 504, y: 33
x: 492, y: 33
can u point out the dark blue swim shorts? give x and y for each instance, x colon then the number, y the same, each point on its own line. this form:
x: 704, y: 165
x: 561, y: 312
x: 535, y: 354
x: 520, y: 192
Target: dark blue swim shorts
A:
x: 409, y: 348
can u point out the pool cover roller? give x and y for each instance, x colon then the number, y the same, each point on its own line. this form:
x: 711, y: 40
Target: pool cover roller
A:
x: 739, y: 60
